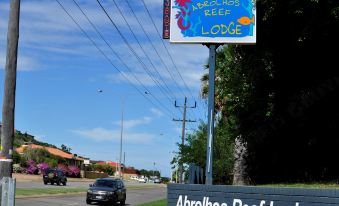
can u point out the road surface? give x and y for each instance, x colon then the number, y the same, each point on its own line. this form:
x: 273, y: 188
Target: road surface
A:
x: 134, y: 197
x: 36, y: 184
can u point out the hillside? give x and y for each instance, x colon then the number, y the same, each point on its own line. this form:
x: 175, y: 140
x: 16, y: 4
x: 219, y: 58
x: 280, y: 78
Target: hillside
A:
x: 24, y: 138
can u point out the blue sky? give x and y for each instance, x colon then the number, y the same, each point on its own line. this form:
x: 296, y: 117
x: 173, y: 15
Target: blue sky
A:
x: 60, y: 73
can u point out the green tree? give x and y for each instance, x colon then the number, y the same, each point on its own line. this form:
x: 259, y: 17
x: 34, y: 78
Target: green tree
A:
x: 232, y: 94
x: 65, y: 148
x: 194, y: 151
x: 276, y: 99
x: 16, y: 157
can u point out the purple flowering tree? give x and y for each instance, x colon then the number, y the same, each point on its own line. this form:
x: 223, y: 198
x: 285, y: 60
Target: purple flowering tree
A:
x: 63, y: 168
x: 74, y: 171
x: 42, y: 167
x: 32, y: 167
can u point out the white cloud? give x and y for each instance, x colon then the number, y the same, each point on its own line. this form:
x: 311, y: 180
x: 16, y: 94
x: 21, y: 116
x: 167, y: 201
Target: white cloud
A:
x: 135, y: 122
x: 157, y: 112
x: 45, y: 28
x: 128, y: 77
x: 101, y: 134
x: 25, y: 63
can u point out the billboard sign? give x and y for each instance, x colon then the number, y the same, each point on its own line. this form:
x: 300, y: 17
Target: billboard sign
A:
x: 213, y: 21
x: 166, y: 19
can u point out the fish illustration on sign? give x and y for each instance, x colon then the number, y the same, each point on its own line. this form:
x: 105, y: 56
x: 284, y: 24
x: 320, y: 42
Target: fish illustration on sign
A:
x: 245, y: 20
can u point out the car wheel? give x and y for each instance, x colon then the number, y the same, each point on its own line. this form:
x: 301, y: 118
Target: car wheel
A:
x: 45, y: 182
x: 114, y: 202
x: 52, y: 183
x: 58, y: 182
x: 122, y: 202
x: 88, y: 201
x: 64, y: 183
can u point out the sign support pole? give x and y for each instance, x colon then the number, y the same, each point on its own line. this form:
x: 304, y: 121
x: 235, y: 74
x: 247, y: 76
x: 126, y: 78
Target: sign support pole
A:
x: 210, y: 129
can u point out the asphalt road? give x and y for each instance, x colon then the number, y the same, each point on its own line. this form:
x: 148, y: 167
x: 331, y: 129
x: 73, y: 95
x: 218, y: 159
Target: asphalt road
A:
x: 134, y: 197
x: 35, y: 184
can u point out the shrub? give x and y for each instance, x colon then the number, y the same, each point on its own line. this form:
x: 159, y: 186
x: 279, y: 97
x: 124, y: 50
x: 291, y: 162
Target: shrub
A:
x: 52, y: 162
x: 73, y: 171
x: 16, y: 157
x: 42, y: 167
x: 38, y: 155
x: 17, y: 168
x: 104, y: 168
x: 63, y: 168
x: 32, y: 168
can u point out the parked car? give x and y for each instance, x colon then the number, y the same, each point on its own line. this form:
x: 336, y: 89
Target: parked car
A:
x: 142, y: 180
x: 107, y: 190
x: 54, y: 176
x: 157, y: 181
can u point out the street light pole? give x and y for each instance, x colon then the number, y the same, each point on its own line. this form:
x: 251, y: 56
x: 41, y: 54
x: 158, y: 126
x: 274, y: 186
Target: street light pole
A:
x: 122, y: 129
x: 153, y: 169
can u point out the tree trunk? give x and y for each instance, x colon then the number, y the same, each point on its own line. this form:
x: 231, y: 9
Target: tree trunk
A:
x: 240, y: 176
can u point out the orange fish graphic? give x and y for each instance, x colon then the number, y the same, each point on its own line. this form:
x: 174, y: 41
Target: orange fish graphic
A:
x: 245, y: 20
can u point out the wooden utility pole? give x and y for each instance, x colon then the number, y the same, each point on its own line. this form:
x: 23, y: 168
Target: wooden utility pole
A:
x: 183, y: 120
x: 8, y: 108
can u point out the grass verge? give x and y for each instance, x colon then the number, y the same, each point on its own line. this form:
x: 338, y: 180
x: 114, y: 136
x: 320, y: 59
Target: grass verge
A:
x: 155, y: 203
x: 26, y: 192
x: 47, y: 191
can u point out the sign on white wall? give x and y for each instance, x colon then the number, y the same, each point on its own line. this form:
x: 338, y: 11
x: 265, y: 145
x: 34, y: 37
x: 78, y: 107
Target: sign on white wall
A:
x: 213, y: 21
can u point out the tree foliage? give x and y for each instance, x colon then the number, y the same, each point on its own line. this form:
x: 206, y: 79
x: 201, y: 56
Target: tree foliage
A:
x: 65, y: 148
x: 24, y: 138
x: 149, y: 173
x: 280, y: 96
x: 194, y: 151
x: 39, y: 156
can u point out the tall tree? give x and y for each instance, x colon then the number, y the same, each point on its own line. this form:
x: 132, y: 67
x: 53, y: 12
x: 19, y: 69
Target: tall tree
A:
x: 272, y: 96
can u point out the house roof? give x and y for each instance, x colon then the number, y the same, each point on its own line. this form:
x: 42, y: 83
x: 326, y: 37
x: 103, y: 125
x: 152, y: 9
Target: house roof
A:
x: 111, y: 163
x: 53, y: 151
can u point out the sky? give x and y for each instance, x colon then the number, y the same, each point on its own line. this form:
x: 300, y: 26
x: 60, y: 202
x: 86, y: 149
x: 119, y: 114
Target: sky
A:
x: 72, y: 91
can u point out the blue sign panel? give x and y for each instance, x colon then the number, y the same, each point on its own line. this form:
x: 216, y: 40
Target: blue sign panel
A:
x: 208, y: 21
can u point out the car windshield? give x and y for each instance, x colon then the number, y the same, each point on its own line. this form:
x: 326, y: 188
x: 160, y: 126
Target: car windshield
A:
x: 49, y: 171
x: 105, y: 183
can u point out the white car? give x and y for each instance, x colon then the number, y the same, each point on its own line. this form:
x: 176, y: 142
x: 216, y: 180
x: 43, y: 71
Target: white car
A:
x: 142, y: 180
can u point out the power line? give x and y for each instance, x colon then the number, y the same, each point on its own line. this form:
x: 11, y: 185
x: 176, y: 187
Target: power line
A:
x: 167, y: 111
x: 169, y: 54
x: 109, y: 60
x: 131, y: 48
x: 149, y: 14
x: 131, y: 30
x: 114, y: 52
x: 152, y: 44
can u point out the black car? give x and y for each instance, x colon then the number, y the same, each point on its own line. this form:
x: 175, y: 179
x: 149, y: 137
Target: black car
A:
x: 107, y: 190
x: 54, y: 176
